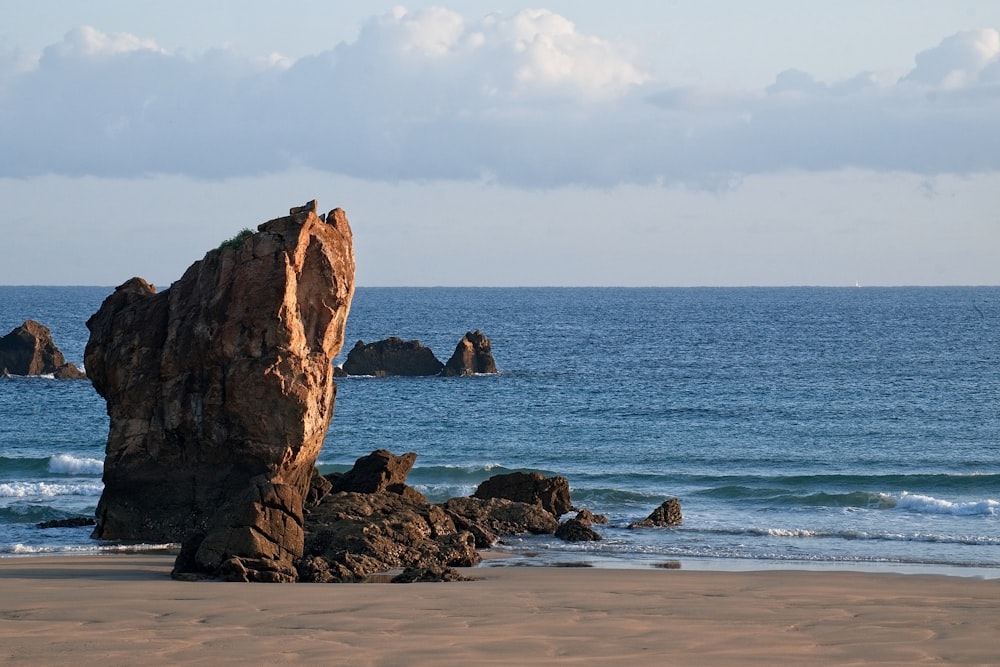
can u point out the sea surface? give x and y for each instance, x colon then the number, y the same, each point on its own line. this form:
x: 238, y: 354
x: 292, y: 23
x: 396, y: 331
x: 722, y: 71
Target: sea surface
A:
x: 799, y: 427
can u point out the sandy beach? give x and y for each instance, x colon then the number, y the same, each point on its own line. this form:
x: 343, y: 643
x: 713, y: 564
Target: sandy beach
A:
x: 124, y: 609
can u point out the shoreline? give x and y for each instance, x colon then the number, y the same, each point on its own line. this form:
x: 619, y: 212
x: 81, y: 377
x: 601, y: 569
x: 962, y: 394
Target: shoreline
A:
x: 125, y: 609
x: 498, y: 557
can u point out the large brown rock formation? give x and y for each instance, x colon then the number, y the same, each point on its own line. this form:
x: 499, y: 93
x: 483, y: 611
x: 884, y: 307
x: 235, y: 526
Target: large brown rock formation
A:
x: 220, y: 392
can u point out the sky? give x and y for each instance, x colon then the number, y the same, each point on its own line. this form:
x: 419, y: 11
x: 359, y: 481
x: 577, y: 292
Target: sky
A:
x: 495, y: 143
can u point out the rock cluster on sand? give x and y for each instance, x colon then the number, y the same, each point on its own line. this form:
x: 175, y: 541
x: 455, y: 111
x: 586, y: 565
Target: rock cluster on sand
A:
x: 29, y: 350
x: 394, y: 356
x: 371, y: 521
x: 220, y: 392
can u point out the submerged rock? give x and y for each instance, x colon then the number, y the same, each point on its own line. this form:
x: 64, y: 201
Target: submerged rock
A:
x: 220, y: 392
x: 30, y: 350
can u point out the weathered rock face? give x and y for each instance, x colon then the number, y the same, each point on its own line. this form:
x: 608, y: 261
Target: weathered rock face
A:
x: 550, y: 493
x: 220, y: 390
x: 473, y: 355
x: 354, y: 535
x: 667, y: 514
x: 29, y: 350
x: 392, y: 356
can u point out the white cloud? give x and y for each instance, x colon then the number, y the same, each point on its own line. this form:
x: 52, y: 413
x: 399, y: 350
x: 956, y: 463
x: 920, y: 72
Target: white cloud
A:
x: 89, y: 42
x: 958, y: 60
x: 525, y: 99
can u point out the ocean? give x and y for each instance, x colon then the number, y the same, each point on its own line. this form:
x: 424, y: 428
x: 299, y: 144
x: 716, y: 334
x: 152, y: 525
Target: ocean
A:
x: 799, y: 427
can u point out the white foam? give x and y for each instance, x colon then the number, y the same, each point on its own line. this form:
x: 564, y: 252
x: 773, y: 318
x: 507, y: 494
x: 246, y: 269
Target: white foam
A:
x: 915, y: 502
x: 29, y: 550
x: 71, y: 465
x: 47, y: 490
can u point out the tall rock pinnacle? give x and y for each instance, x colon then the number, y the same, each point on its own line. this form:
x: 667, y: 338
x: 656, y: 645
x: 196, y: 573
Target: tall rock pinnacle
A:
x: 220, y: 390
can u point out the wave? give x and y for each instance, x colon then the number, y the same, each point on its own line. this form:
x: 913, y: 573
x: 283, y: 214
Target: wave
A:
x: 57, y: 464
x: 48, y: 489
x: 954, y: 482
x: 937, y: 538
x: 905, y: 501
x: 29, y: 514
x: 915, y: 502
x: 66, y: 464
x: 786, y: 497
x: 39, y: 550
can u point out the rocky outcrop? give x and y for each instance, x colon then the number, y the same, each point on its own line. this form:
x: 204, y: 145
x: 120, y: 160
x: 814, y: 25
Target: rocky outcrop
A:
x: 550, y: 493
x: 220, y: 392
x: 392, y: 356
x: 29, y: 350
x: 489, y: 519
x: 667, y: 514
x: 472, y: 356
x: 351, y: 536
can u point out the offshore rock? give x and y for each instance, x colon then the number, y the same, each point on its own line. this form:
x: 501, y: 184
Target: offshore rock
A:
x: 392, y: 356
x: 30, y: 350
x: 220, y: 392
x: 667, y: 514
x: 550, y: 493
x: 472, y: 356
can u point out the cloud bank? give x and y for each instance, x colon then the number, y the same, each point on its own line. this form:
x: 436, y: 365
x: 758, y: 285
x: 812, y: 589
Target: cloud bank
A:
x: 524, y: 100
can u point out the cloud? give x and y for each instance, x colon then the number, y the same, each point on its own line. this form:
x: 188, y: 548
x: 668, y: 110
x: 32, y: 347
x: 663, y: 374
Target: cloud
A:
x: 524, y: 99
x: 959, y: 60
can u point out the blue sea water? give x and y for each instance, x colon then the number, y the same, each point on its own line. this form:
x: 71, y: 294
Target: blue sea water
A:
x: 799, y: 427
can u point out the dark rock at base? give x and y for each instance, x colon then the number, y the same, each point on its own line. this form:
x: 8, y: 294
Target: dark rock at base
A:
x: 29, y: 350
x: 667, y: 514
x: 550, y: 493
x: 490, y: 518
x: 418, y: 574
x: 472, y: 356
x: 377, y: 472
x: 577, y: 530
x: 260, y: 528
x: 72, y: 522
x: 392, y: 356
x: 350, y: 536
